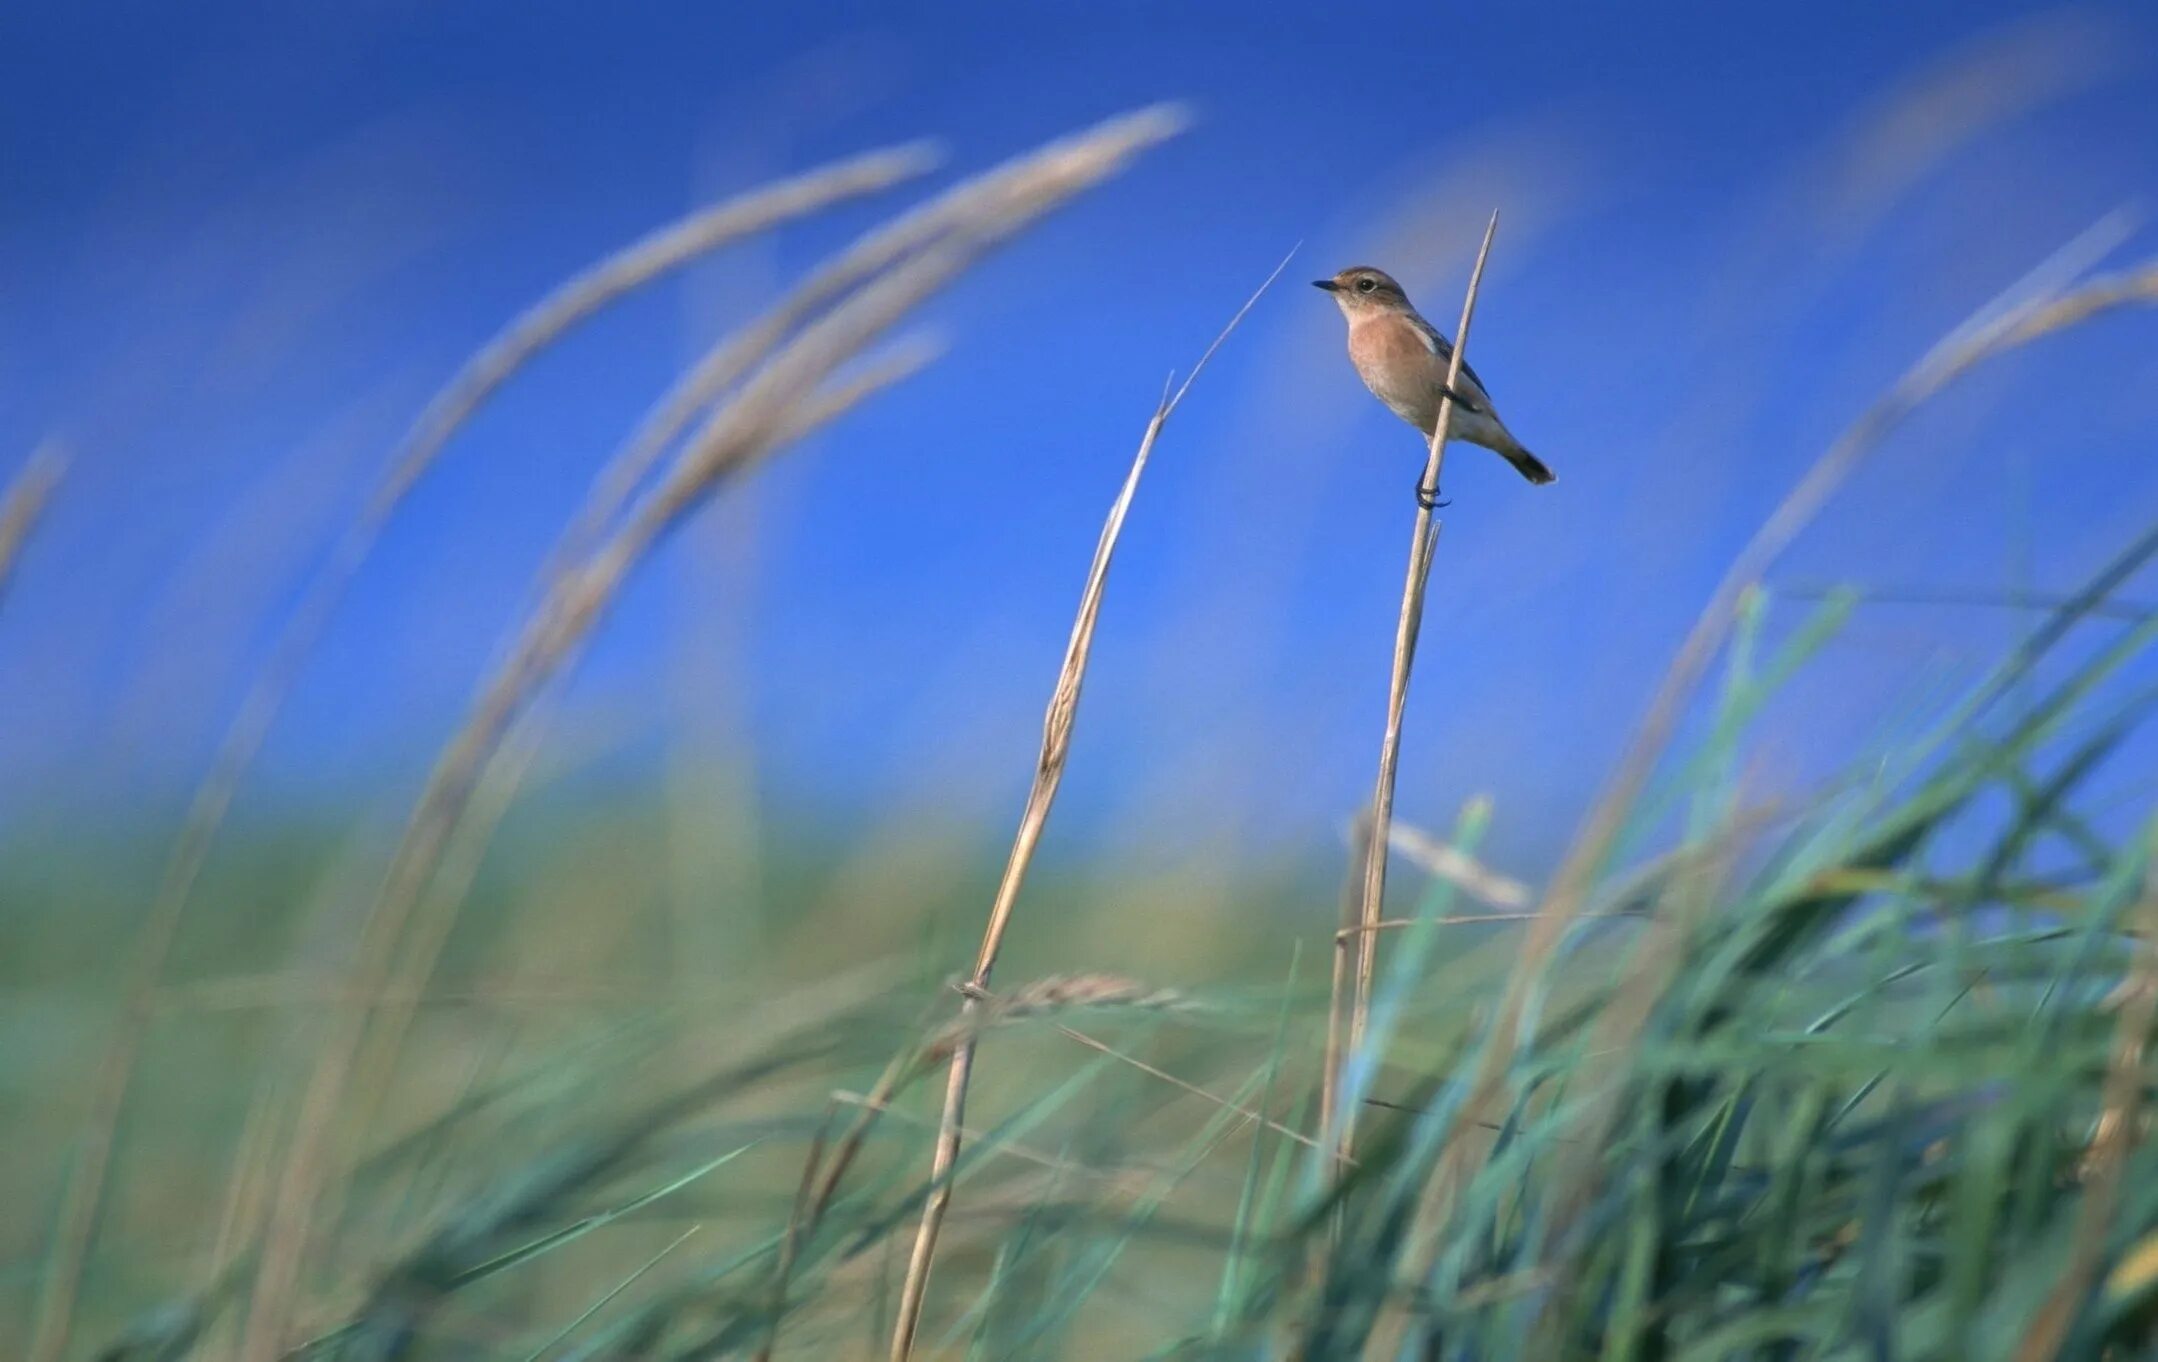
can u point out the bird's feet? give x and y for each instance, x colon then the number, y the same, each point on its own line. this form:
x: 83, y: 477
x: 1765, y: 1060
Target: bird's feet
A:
x: 1429, y: 500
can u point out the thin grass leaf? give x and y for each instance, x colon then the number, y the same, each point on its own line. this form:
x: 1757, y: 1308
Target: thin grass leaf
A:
x: 608, y: 1297
x: 570, y: 1233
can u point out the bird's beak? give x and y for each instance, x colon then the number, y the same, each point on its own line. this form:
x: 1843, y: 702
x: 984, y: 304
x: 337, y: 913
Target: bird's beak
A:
x: 1329, y: 285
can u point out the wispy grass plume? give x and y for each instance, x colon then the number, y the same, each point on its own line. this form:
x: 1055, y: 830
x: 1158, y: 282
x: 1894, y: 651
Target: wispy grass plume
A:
x: 478, y: 379
x: 732, y: 440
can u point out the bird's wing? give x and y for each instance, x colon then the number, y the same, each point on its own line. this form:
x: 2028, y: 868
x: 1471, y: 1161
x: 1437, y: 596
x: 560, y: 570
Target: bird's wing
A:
x: 1444, y: 349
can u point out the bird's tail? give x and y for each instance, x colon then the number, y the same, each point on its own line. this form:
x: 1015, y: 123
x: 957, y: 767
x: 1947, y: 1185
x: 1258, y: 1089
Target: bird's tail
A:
x: 1531, y: 467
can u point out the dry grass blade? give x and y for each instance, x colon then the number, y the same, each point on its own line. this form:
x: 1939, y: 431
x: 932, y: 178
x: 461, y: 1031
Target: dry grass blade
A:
x: 806, y: 1203
x: 1069, y: 992
x: 733, y: 439
x: 1008, y: 1149
x: 1048, y: 776
x: 821, y: 1176
x: 983, y: 198
x: 1964, y: 350
x: 1053, y: 994
x: 629, y: 269
x: 504, y: 771
x: 553, y: 635
x: 534, y: 330
x: 1399, y: 924
x: 24, y: 503
x: 1371, y: 901
x: 1458, y: 868
x: 480, y: 377
x: 1187, y: 1086
x: 979, y: 201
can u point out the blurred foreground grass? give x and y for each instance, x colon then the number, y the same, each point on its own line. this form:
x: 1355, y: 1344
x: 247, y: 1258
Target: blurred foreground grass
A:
x: 1855, y: 1073
x: 1853, y: 1076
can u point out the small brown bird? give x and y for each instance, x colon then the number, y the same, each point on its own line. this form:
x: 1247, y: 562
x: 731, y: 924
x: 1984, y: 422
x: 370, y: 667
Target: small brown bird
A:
x: 1403, y: 360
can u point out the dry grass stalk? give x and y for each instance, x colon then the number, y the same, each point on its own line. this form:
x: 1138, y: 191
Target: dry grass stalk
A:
x: 1048, y: 776
x: 24, y: 503
x: 1962, y: 351
x: 972, y: 217
x: 821, y: 1177
x: 1055, y: 993
x: 1458, y: 868
x: 1052, y: 994
x: 478, y: 379
x: 983, y: 198
x: 797, y: 1225
x: 503, y: 773
x: 820, y: 1180
x: 1182, y: 1085
x: 1371, y: 901
x: 2119, y: 1122
x: 555, y: 635
x: 1009, y: 1149
x: 732, y: 440
x: 1396, y: 924
x: 981, y: 210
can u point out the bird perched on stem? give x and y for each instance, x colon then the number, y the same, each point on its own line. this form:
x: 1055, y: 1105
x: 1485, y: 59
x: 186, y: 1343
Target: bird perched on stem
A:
x: 1403, y: 360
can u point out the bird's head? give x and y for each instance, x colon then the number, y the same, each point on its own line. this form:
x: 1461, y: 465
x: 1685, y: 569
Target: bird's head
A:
x: 1362, y: 290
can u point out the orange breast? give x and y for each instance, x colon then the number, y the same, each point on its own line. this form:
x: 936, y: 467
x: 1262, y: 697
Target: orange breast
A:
x: 1401, y: 371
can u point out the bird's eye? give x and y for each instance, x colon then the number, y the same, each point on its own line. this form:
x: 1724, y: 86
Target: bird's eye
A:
x: 1366, y: 285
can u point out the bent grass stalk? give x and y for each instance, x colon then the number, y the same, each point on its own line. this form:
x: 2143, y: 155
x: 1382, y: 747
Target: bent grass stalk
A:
x: 1371, y: 900
x: 976, y: 202
x: 481, y: 376
x: 982, y: 209
x: 555, y: 632
x: 968, y: 218
x: 732, y: 440
x: 980, y: 199
x: 1445, y: 861
x: 505, y: 771
x: 1048, y: 777
x: 24, y: 504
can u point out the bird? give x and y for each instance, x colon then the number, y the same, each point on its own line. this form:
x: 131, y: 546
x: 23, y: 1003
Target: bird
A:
x: 1403, y: 360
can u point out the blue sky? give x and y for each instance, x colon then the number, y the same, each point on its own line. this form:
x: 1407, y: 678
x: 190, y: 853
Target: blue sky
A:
x: 245, y: 241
